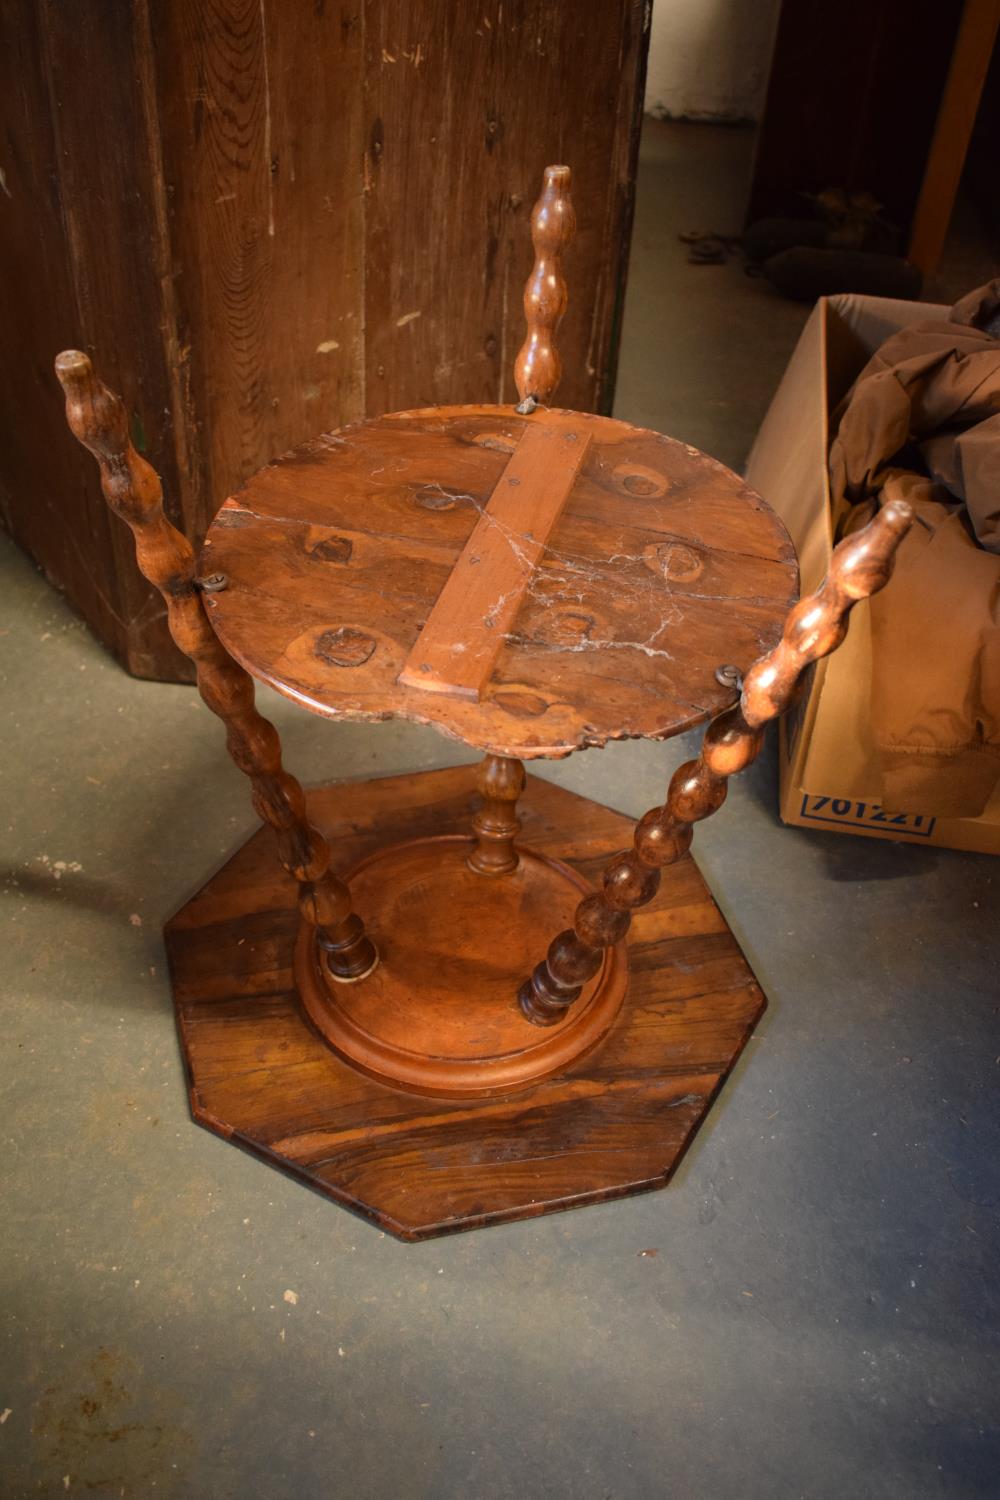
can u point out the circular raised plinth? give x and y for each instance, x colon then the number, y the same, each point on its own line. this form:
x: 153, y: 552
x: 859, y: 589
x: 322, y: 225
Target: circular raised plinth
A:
x: 660, y: 566
x: 439, y: 1015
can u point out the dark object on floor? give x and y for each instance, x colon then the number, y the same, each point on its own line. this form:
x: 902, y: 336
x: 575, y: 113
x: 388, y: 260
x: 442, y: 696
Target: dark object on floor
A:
x: 769, y: 237
x: 839, y: 221
x: 854, y: 221
x: 711, y: 251
x: 708, y: 249
x: 805, y: 274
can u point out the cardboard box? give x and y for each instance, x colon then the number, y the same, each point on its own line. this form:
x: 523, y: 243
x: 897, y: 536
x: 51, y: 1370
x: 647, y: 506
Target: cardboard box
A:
x: 829, y: 772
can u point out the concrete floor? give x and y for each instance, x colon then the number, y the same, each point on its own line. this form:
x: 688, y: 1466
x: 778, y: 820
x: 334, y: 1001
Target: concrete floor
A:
x: 821, y: 1318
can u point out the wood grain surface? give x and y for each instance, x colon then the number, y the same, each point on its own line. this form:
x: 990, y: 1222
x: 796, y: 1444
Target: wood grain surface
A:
x: 81, y: 261
x: 661, y: 566
x: 614, y: 1123
x: 261, y: 114
x: 268, y: 220
x: 470, y: 619
x: 439, y: 1015
x: 465, y: 105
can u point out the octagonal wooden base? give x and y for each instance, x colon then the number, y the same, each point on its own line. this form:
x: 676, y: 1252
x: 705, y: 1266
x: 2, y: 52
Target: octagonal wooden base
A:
x: 614, y: 1121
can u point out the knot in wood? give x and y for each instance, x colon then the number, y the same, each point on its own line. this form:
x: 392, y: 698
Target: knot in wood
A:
x: 345, y: 647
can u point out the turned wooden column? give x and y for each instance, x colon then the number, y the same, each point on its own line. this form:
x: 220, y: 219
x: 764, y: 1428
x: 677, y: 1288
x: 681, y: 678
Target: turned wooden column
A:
x: 537, y: 369
x: 132, y: 490
x: 501, y: 780
x: 860, y: 566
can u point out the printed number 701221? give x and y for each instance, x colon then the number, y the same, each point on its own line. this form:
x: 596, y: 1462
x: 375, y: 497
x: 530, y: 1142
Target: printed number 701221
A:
x: 870, y: 814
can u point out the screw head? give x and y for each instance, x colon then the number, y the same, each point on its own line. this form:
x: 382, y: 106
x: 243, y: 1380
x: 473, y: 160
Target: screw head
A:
x: 214, y: 583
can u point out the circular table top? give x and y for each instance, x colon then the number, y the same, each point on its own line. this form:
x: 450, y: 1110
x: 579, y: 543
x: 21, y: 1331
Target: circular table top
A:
x: 660, y: 566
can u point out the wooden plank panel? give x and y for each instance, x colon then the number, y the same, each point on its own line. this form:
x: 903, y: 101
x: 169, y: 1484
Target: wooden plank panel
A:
x: 37, y: 308
x: 465, y: 630
x: 80, y: 255
x: 199, y: 207
x: 260, y: 119
x: 465, y: 106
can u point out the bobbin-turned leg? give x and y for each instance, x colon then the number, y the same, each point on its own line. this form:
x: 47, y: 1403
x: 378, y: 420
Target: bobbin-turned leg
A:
x: 860, y: 566
x: 97, y: 419
x: 538, y: 367
x: 500, y: 780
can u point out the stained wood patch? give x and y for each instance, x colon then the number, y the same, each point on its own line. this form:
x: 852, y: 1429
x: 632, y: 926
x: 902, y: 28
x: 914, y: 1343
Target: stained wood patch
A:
x: 456, y: 650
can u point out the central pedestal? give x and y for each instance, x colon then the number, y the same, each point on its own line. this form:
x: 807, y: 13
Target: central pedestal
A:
x: 439, y: 1015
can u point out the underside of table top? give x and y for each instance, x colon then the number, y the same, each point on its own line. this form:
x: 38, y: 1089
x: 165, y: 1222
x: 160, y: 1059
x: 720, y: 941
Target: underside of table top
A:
x: 605, y: 619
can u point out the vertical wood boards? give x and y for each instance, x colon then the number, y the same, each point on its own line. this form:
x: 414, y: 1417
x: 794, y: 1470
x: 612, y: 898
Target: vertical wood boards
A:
x: 79, y: 261
x: 465, y: 106
x: 267, y: 221
x: 262, y: 150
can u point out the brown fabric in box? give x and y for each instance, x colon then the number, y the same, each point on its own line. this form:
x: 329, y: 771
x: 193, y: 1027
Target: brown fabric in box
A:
x: 935, y: 706
x: 935, y: 694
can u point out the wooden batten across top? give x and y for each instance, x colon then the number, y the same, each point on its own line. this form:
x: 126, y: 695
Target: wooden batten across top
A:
x: 458, y: 646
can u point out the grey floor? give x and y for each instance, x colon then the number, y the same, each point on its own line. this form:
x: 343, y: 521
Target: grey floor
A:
x: 821, y: 1317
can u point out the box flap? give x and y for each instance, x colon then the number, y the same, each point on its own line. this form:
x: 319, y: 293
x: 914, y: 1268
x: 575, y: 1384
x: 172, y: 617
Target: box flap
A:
x: 782, y: 464
x: 874, y: 319
x: 788, y: 461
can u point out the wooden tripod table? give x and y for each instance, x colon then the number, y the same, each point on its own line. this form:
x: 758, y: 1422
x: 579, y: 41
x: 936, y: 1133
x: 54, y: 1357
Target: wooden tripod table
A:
x: 453, y: 1031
